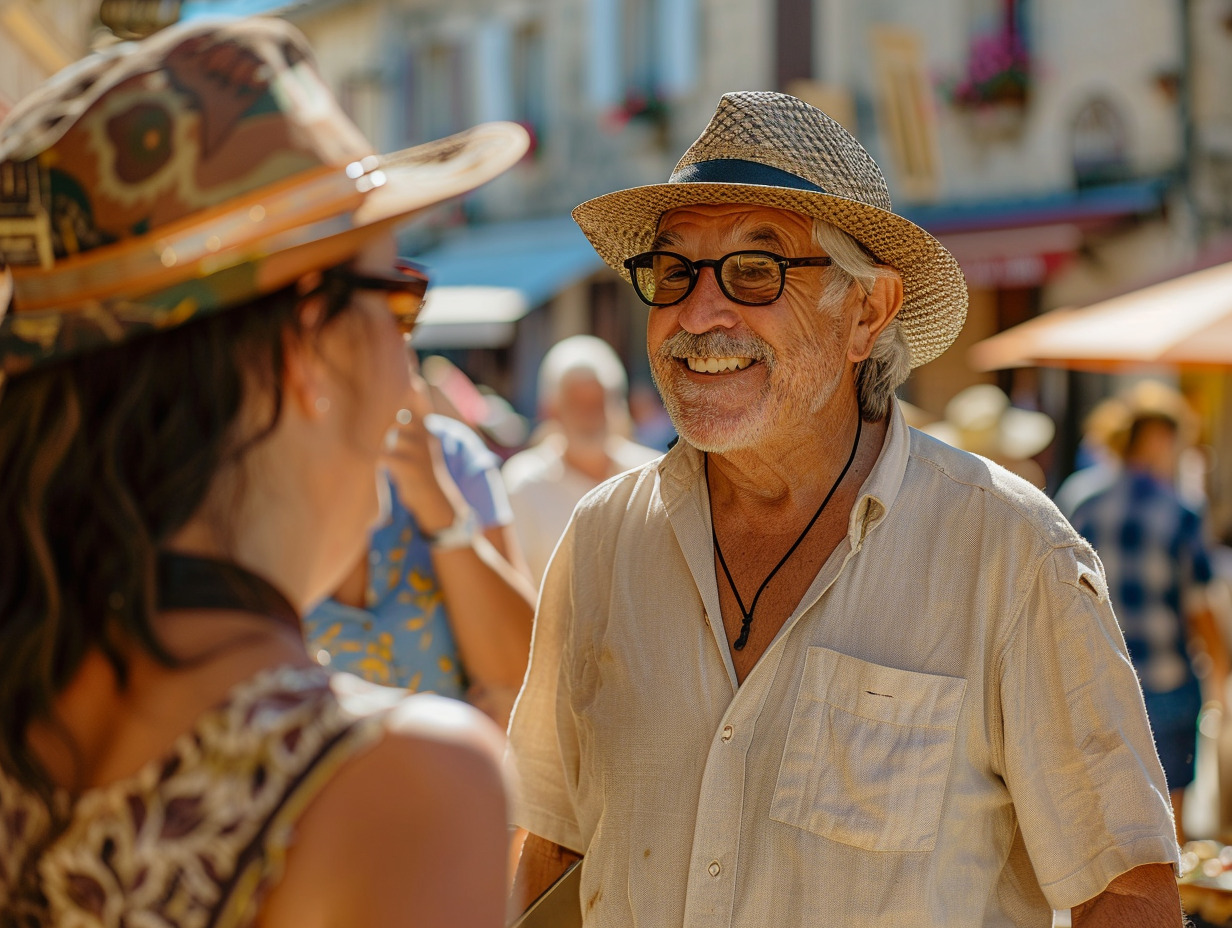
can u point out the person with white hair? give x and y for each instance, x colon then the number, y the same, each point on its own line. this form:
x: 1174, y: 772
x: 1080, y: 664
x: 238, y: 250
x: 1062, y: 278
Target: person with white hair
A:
x: 811, y: 666
x: 583, y: 397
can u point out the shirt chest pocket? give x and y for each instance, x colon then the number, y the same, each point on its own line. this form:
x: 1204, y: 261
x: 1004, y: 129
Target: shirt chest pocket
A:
x: 868, y: 753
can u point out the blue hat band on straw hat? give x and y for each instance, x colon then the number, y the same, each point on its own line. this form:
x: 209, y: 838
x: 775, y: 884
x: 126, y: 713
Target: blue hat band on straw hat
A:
x: 738, y: 171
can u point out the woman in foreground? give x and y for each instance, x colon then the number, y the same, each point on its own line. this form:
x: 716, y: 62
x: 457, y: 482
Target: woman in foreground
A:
x: 201, y: 364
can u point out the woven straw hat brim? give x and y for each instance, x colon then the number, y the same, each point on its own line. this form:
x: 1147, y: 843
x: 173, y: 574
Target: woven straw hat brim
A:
x: 622, y: 224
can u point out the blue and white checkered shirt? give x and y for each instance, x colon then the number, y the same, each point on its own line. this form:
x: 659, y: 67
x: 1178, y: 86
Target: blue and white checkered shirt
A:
x: 1154, y: 554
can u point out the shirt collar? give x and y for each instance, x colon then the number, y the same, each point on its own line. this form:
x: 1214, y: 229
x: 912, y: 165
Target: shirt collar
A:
x: 883, y: 482
x: 681, y: 469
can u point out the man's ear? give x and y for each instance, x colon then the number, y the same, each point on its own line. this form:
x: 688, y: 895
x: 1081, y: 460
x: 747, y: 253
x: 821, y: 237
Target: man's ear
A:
x: 875, y: 313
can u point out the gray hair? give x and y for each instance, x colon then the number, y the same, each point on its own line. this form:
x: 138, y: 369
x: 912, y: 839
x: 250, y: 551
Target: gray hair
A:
x: 582, y: 354
x: 889, y: 364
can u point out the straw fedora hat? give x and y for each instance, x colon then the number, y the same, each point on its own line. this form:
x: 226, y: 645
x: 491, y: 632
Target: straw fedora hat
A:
x: 1144, y: 400
x: 770, y: 149
x: 980, y: 419
x: 191, y: 172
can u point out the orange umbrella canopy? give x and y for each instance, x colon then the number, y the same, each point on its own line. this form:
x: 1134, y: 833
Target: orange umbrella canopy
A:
x: 1184, y: 322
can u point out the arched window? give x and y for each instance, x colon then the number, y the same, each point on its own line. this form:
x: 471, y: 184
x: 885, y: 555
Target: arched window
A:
x: 1099, y: 143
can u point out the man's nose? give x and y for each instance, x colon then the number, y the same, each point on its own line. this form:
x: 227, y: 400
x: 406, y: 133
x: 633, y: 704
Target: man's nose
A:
x: 707, y: 307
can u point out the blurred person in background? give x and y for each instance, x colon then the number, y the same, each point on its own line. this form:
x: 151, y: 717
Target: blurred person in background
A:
x: 981, y: 420
x: 486, y: 412
x: 438, y: 603
x: 201, y: 362
x: 583, y: 400
x: 1154, y: 551
x: 652, y: 426
x: 1098, y: 458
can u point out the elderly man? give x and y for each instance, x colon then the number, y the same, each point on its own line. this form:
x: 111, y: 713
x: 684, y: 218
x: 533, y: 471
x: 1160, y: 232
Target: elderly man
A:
x: 813, y: 667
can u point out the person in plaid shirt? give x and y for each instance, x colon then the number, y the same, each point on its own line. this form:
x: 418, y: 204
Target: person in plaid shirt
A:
x: 1154, y: 554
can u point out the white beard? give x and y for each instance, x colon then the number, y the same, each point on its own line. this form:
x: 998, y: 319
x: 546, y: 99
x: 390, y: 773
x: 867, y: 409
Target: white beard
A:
x: 722, y: 417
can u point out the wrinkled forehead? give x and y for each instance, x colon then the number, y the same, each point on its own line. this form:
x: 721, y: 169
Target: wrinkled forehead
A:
x: 732, y: 226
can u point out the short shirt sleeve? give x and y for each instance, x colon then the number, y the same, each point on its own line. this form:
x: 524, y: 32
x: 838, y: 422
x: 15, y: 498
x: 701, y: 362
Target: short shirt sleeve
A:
x: 474, y: 468
x: 543, y: 752
x: 1078, y: 756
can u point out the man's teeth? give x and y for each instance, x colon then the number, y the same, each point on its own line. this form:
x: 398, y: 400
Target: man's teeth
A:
x: 718, y: 365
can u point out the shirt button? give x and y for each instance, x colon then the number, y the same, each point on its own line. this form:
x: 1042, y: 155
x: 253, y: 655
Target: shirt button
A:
x: 727, y: 734
x: 714, y: 868
x: 706, y: 618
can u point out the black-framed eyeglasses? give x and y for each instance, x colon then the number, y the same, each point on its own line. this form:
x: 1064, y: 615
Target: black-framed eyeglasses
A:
x: 404, y: 288
x: 750, y: 278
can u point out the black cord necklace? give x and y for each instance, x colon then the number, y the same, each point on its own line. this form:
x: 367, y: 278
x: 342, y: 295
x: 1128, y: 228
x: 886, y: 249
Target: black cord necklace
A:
x: 743, y: 638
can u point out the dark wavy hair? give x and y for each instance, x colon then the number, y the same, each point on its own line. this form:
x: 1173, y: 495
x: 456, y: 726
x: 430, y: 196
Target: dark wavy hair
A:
x: 102, y: 458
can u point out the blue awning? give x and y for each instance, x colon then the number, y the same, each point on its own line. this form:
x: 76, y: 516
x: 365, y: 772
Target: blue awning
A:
x: 209, y: 9
x: 1091, y: 205
x: 537, y: 257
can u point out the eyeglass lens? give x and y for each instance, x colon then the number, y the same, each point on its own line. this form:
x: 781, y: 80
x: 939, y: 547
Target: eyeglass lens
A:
x: 747, y: 276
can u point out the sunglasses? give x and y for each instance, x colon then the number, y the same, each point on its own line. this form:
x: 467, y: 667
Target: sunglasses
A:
x: 404, y: 289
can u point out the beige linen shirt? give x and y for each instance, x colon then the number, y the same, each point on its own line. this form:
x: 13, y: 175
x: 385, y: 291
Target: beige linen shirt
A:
x: 946, y: 732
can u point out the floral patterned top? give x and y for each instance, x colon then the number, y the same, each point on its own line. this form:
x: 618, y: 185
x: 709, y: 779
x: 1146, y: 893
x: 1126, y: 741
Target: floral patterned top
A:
x: 198, y: 837
x: 404, y: 637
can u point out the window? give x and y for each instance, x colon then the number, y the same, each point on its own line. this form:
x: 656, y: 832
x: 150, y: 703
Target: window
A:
x: 362, y: 97
x: 905, y: 109
x: 528, y: 78
x: 638, y: 50
x: 1099, y: 143
x: 793, y: 40
x: 440, y: 92
x: 641, y: 53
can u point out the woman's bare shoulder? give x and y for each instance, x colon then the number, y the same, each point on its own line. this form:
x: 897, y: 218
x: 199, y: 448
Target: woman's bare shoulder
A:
x: 411, y: 830
x: 432, y: 733
x: 421, y: 726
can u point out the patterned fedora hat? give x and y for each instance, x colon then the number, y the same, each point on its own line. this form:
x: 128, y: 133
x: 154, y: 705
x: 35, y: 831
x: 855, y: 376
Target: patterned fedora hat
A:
x: 191, y: 172
x: 770, y: 149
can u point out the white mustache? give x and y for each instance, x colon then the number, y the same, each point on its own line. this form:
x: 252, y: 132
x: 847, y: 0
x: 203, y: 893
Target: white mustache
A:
x: 715, y: 345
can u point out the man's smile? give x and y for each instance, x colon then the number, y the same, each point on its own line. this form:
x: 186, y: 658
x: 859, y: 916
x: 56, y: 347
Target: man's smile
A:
x: 717, y: 365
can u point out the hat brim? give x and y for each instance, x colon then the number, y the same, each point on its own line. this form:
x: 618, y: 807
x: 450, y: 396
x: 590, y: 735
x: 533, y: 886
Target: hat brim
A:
x: 248, y: 247
x: 1019, y: 434
x: 1026, y: 432
x: 416, y: 179
x: 622, y: 224
x: 427, y: 174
